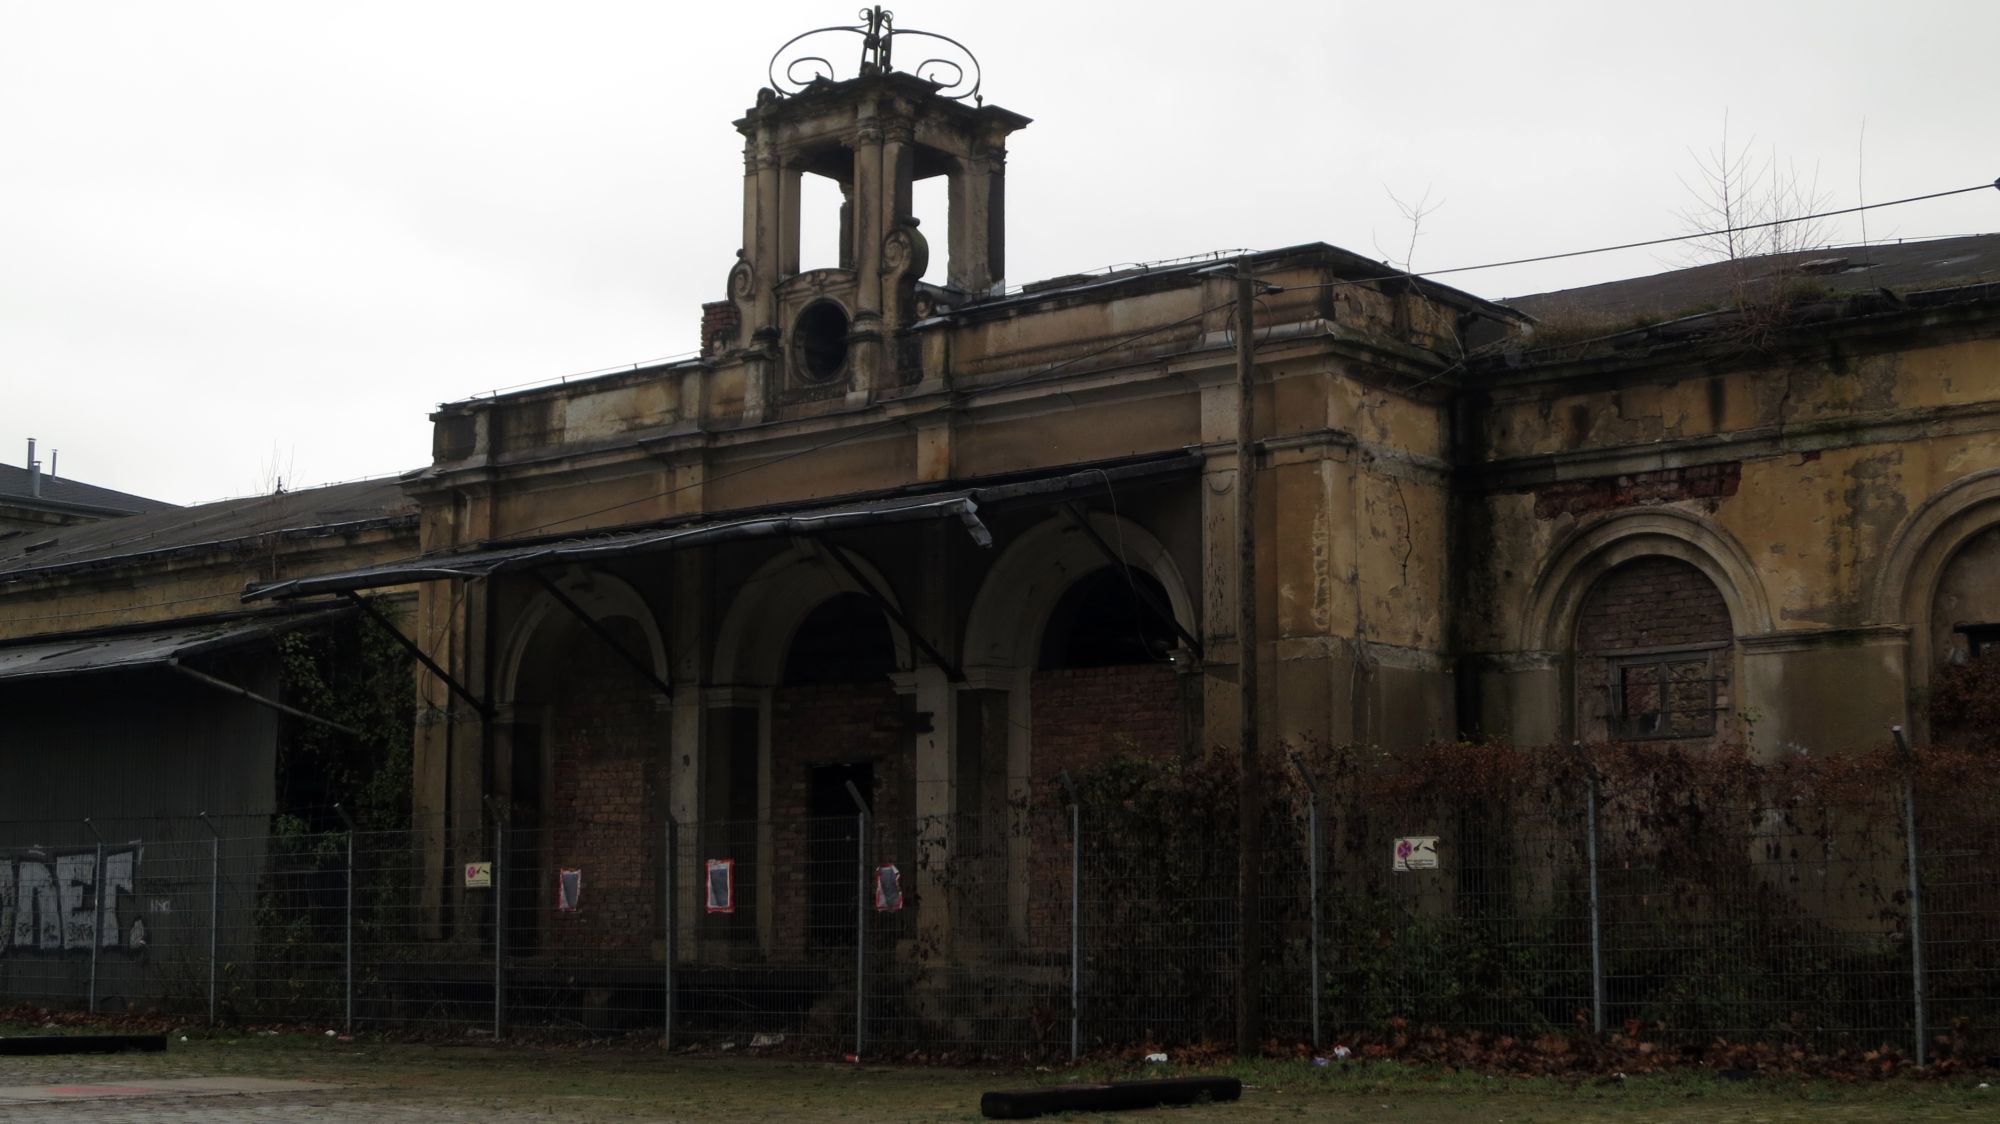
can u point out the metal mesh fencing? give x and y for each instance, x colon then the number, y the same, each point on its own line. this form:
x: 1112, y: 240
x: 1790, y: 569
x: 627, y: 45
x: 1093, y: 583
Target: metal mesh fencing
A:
x: 1046, y: 930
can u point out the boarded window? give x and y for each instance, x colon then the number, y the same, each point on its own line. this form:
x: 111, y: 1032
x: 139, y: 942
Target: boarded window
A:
x: 1665, y: 696
x: 1653, y: 654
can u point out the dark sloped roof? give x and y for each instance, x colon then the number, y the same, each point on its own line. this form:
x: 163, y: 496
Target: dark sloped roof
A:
x: 60, y: 492
x: 1904, y: 267
x: 306, y: 511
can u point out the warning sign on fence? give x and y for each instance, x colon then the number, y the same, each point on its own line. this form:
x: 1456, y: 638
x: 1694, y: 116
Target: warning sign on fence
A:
x: 1417, y: 852
x: 722, y: 885
x: 478, y: 876
x: 888, y: 888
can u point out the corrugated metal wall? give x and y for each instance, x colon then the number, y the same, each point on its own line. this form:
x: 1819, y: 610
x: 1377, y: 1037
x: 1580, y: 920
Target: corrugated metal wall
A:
x: 139, y: 754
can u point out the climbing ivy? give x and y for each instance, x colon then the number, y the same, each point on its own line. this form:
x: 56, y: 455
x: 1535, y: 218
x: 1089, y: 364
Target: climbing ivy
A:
x: 352, y: 672
x: 1965, y: 705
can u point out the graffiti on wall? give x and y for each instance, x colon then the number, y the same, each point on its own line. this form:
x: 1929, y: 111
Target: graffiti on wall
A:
x: 57, y: 902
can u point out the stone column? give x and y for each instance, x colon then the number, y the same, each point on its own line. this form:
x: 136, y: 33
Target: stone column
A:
x: 978, y: 230
x: 766, y: 234
x: 788, y: 221
x: 1220, y: 703
x: 871, y: 182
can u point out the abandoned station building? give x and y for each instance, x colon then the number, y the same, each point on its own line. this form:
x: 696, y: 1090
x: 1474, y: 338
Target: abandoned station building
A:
x: 943, y: 540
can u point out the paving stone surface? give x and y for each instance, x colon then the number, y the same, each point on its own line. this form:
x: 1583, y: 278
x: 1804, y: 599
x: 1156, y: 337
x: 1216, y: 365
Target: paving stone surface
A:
x: 334, y: 1106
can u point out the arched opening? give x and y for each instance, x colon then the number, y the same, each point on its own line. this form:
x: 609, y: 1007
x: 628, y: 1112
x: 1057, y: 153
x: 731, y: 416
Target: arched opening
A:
x: 1107, y: 619
x: 1653, y: 655
x: 1963, y: 691
x: 578, y: 756
x: 1069, y: 669
x: 1103, y: 685
x: 837, y: 721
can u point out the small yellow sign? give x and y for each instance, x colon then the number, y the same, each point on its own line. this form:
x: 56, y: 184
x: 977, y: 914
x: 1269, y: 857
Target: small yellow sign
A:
x: 478, y: 876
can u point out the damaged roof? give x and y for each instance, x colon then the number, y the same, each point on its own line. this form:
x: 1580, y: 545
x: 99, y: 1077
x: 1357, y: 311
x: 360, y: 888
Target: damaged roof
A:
x: 308, y: 512
x: 1903, y: 267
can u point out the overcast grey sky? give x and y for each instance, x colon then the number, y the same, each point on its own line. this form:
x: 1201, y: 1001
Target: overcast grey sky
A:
x: 241, y: 240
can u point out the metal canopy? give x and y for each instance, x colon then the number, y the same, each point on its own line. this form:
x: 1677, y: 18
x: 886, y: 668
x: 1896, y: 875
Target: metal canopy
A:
x: 962, y: 504
x: 160, y: 647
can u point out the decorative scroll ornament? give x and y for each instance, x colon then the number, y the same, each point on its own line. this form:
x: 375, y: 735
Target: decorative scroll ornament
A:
x: 742, y: 279
x: 904, y: 251
x: 800, y: 64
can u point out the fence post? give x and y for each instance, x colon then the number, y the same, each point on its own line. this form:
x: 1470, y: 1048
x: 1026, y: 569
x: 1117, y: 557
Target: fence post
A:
x: 1075, y: 916
x: 672, y: 858
x: 1590, y: 829
x: 1312, y: 888
x: 1915, y: 889
x: 97, y: 911
x: 860, y: 917
x: 499, y: 815
x: 214, y: 904
x: 348, y: 972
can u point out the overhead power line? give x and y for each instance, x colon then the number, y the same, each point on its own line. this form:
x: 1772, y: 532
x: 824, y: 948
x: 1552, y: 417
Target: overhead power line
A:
x: 1667, y: 241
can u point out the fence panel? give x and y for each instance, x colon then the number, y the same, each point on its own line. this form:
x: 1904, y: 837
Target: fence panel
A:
x: 1764, y: 912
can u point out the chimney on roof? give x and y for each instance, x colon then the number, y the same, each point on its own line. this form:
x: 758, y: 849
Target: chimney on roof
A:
x: 34, y: 471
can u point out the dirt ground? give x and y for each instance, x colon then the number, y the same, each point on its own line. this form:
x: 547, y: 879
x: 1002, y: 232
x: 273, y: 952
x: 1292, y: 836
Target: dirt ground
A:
x: 380, y: 1082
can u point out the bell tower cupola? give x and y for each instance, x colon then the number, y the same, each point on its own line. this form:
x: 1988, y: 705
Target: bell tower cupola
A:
x: 844, y: 331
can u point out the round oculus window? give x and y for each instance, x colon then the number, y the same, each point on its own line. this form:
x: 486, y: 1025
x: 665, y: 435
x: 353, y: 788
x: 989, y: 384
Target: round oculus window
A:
x: 820, y: 340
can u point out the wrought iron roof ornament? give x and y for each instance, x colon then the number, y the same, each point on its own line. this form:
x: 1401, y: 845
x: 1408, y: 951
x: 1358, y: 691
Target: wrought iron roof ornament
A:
x: 955, y: 76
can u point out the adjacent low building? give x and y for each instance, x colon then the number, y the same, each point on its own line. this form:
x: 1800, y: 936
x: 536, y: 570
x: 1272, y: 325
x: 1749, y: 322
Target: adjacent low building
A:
x: 144, y: 714
x: 33, y: 500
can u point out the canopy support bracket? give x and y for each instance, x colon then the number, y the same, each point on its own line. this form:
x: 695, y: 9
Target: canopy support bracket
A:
x: 260, y: 700
x: 951, y: 669
x: 596, y: 626
x: 1147, y: 597
x: 417, y: 652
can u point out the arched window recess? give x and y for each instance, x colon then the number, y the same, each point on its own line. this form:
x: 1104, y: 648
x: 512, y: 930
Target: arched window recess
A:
x: 633, y: 660
x: 1148, y: 593
x: 949, y: 666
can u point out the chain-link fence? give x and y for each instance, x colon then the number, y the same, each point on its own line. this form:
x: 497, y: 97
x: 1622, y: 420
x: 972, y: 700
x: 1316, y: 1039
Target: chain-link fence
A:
x: 1098, y: 917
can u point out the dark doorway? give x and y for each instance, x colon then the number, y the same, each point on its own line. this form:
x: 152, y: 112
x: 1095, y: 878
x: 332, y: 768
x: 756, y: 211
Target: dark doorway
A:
x: 833, y: 850
x: 521, y: 866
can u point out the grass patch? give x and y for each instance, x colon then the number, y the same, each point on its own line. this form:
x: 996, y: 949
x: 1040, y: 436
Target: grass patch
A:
x: 626, y: 1083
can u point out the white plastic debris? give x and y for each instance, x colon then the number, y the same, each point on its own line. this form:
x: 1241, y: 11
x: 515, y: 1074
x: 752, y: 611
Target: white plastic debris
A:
x: 329, y: 1034
x: 1156, y: 1059
x: 762, y: 1040
x: 1342, y: 1052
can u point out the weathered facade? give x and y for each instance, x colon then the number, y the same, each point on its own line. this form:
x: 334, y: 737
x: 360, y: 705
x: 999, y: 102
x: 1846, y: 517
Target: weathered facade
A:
x: 948, y: 540
x: 1797, y: 493
x: 940, y: 542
